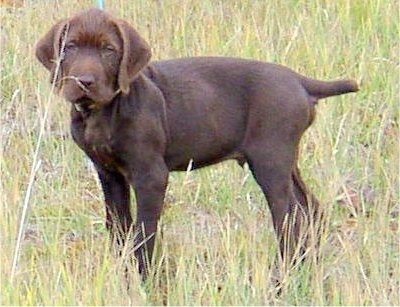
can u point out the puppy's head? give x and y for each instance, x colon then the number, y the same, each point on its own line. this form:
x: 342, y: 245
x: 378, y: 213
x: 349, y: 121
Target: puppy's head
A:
x: 93, y: 56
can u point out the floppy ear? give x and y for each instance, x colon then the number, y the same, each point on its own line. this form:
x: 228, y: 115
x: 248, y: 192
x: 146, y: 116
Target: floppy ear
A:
x: 136, y: 54
x: 48, y: 49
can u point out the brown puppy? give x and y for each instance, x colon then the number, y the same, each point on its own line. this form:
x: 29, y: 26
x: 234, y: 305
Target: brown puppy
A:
x: 137, y: 121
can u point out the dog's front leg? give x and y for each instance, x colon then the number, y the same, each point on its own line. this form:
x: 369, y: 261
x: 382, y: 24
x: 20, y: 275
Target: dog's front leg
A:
x: 150, y: 183
x: 117, y: 198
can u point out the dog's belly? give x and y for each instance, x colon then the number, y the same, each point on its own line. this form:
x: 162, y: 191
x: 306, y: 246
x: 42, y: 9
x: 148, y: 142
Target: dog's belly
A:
x: 186, y: 159
x: 204, y: 140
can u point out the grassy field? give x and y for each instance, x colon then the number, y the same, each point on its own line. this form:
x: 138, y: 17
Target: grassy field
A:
x: 219, y: 247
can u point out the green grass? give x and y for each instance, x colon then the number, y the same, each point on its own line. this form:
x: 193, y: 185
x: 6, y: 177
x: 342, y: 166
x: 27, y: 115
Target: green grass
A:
x: 219, y: 247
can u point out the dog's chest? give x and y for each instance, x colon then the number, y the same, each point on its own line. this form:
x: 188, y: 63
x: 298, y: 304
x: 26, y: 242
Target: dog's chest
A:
x: 105, y: 157
x: 96, y: 136
x: 98, y: 130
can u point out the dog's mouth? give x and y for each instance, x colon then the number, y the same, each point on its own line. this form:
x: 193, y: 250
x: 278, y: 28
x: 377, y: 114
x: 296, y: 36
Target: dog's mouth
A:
x: 84, y: 104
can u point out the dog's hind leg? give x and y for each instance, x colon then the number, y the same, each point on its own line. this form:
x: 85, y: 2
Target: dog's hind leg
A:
x: 272, y: 169
x: 311, y: 207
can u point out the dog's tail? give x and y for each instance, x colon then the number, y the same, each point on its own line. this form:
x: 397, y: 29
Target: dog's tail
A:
x: 322, y: 89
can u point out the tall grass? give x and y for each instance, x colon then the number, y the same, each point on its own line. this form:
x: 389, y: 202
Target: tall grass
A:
x: 218, y: 245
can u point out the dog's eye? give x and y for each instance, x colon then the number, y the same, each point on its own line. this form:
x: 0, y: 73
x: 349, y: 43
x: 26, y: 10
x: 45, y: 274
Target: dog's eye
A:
x: 69, y: 47
x: 108, y: 50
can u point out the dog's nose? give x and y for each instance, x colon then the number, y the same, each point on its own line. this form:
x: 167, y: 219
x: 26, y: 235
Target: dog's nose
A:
x: 86, y: 80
